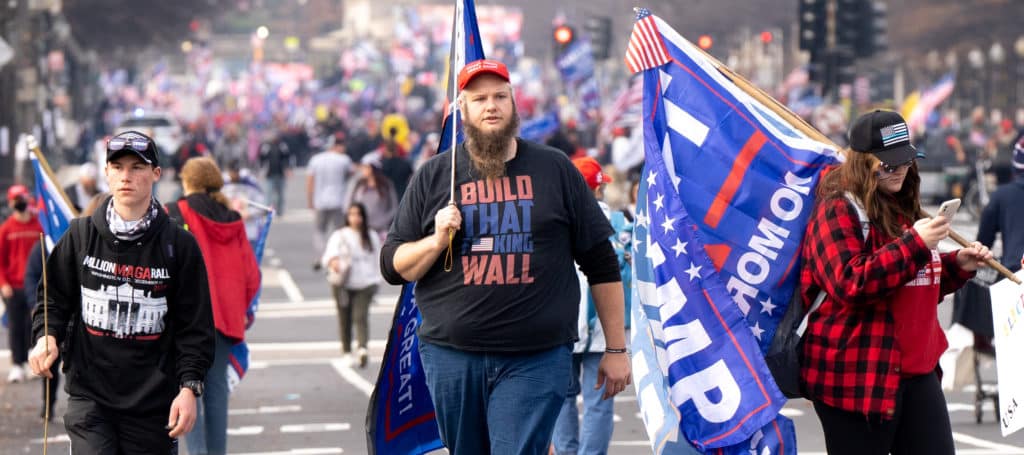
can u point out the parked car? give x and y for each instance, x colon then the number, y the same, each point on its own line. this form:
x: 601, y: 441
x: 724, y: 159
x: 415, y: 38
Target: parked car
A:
x: 160, y: 126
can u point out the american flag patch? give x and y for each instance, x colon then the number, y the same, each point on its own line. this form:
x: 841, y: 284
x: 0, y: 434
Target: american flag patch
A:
x: 646, y: 50
x: 894, y: 133
x: 483, y: 244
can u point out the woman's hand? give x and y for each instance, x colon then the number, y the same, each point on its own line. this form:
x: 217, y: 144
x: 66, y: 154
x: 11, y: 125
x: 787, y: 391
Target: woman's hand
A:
x: 333, y: 265
x: 932, y: 230
x: 972, y: 257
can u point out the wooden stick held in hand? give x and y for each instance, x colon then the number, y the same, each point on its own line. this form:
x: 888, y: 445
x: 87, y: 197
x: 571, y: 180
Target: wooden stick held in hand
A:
x: 46, y: 342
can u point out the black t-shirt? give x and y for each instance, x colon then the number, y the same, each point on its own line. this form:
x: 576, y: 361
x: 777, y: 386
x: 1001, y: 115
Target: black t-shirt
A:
x: 513, y: 284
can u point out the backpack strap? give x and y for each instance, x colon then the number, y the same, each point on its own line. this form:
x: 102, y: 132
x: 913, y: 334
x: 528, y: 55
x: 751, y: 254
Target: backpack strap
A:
x: 865, y: 226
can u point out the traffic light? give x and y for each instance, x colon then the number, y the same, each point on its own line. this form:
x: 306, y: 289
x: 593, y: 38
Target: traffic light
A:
x: 812, y: 25
x: 705, y: 42
x: 599, y: 29
x: 851, y: 17
x: 563, y: 36
x: 873, y: 39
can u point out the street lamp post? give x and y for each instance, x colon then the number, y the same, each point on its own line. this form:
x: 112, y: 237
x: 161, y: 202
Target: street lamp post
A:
x: 997, y: 96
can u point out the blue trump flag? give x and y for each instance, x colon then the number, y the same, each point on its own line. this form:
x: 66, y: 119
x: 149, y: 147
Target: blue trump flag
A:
x: 238, y: 357
x: 55, y: 212
x: 400, y: 419
x: 466, y: 48
x: 725, y: 195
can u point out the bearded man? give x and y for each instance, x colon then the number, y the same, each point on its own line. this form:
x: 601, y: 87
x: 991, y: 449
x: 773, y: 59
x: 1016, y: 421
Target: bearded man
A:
x: 498, y: 328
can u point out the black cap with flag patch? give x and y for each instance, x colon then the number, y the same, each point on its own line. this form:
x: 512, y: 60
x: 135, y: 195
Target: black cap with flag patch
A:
x: 885, y: 135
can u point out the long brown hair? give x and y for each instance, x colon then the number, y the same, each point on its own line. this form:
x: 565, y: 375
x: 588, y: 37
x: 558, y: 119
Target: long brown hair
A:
x: 859, y: 176
x: 203, y: 175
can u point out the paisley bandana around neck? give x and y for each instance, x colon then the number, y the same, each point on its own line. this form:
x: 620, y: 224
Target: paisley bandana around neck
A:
x: 130, y: 230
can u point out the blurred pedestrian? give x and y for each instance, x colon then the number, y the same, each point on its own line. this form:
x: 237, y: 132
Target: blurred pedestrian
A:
x: 85, y: 187
x: 393, y: 163
x: 230, y: 147
x: 499, y: 315
x: 375, y: 191
x: 132, y: 378
x: 594, y: 433
x: 247, y: 198
x: 327, y: 180
x: 871, y: 349
x: 18, y: 233
x: 351, y: 258
x: 277, y: 159
x: 234, y: 279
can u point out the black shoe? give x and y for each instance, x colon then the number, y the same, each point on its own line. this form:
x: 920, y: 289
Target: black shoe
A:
x: 316, y: 266
x: 42, y: 415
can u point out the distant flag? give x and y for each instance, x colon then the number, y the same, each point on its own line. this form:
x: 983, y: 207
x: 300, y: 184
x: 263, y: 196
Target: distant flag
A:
x: 724, y: 197
x: 400, y: 419
x: 238, y: 358
x: 55, y: 211
x: 466, y: 48
x: 625, y: 110
x: 930, y: 99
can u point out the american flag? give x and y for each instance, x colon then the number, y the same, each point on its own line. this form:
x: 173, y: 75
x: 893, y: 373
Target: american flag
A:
x: 930, y: 99
x: 625, y: 111
x: 646, y: 50
x: 483, y: 244
x: 894, y: 133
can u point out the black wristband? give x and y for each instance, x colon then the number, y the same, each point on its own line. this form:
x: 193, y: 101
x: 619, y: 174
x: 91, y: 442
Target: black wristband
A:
x: 616, y: 351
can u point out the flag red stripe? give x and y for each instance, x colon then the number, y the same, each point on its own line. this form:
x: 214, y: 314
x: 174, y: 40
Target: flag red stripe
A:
x: 732, y: 182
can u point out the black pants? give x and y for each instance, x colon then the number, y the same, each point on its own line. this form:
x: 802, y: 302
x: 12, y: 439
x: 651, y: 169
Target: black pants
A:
x: 20, y: 323
x: 920, y: 424
x: 95, y: 430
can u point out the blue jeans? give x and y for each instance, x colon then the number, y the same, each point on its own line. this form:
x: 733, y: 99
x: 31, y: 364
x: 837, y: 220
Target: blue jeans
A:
x: 209, y: 435
x: 275, y: 188
x: 596, y: 433
x: 496, y: 403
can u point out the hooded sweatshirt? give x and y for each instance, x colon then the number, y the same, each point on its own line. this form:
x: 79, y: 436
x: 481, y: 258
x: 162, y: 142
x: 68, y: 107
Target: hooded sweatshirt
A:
x: 132, y: 318
x: 231, y: 267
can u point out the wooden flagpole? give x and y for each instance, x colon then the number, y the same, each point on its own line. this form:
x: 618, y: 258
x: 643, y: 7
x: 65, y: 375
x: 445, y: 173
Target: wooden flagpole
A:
x: 797, y: 122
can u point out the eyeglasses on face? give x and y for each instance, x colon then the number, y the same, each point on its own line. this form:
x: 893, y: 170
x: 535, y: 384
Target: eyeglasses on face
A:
x: 120, y: 143
x: 892, y: 169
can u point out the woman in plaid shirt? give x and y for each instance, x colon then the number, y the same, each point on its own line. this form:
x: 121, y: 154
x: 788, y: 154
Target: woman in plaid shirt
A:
x: 871, y: 350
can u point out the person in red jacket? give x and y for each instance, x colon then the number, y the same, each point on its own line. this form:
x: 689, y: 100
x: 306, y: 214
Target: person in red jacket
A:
x: 17, y: 236
x: 234, y: 278
x: 871, y: 350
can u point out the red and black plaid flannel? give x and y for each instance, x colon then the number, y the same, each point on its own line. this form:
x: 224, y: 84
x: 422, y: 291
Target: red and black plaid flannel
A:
x: 850, y: 359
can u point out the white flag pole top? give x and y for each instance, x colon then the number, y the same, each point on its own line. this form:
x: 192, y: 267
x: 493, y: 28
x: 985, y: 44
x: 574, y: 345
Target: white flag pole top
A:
x: 455, y: 64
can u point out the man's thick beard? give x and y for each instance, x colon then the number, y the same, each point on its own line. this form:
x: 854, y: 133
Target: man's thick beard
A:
x: 487, y: 151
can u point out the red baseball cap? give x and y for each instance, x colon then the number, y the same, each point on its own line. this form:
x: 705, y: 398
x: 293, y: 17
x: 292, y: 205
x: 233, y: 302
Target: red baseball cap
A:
x: 591, y: 171
x: 483, y: 66
x: 16, y: 191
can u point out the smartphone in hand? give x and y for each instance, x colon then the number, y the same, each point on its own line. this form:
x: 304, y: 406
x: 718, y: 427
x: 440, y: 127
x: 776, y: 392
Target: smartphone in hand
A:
x: 949, y: 208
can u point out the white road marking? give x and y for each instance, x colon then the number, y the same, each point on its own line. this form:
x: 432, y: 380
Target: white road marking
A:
x: 245, y: 431
x: 289, y: 286
x: 307, y: 346
x: 315, y: 427
x: 999, y: 448
x: 265, y: 410
x: 309, y: 451
x: 59, y: 439
x: 348, y: 374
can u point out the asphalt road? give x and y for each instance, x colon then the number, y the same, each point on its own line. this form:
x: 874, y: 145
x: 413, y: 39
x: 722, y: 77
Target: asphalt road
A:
x: 301, y: 397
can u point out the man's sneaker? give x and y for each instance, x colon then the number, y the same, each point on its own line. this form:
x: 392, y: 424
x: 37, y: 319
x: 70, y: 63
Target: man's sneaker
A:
x: 316, y: 266
x: 17, y: 374
x: 362, y: 358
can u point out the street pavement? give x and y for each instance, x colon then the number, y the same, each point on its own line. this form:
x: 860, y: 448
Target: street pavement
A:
x: 302, y: 397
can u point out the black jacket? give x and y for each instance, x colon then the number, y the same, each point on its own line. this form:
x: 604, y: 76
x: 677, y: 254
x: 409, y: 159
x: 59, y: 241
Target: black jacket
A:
x: 133, y: 318
x: 1005, y: 214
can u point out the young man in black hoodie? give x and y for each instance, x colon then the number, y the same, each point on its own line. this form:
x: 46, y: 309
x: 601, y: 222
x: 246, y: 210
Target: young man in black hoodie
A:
x: 129, y: 306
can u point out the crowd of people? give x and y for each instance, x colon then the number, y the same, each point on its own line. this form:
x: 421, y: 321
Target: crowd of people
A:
x: 382, y: 211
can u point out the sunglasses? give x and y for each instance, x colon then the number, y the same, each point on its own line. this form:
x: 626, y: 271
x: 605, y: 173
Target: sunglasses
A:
x: 892, y: 169
x: 120, y: 143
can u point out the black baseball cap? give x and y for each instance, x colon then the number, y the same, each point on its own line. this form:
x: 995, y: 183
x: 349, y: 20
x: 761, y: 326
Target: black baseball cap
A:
x: 884, y: 134
x: 132, y: 142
